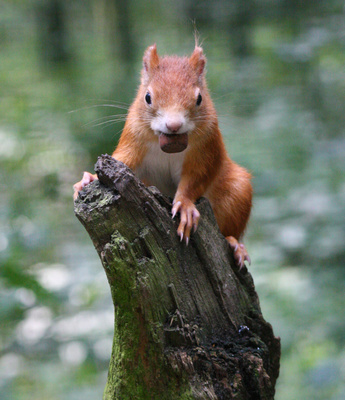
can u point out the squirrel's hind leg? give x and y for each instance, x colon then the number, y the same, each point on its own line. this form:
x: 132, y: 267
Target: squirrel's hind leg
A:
x: 240, y: 252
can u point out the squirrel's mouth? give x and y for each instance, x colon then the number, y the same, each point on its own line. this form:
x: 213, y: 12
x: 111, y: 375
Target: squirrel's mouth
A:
x: 173, y: 142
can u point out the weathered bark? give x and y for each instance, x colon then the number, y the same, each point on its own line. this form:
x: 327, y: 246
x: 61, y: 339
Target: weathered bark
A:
x: 188, y: 323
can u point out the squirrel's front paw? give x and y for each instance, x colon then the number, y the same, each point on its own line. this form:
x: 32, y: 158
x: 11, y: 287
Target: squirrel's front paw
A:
x: 86, y: 179
x: 189, y: 218
x: 240, y: 252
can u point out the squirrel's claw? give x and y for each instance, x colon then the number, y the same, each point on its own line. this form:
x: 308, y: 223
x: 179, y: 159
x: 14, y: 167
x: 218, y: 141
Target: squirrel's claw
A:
x: 175, y: 209
x: 86, y: 179
x: 189, y: 218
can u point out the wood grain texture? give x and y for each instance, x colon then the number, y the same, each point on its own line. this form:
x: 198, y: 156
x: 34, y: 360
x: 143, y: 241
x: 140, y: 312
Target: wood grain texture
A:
x: 188, y: 323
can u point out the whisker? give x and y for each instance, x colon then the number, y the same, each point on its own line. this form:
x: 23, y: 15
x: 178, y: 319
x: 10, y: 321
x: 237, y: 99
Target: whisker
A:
x: 120, y: 117
x: 110, y: 101
x: 198, y: 131
x: 119, y: 106
x: 109, y: 122
x: 117, y: 132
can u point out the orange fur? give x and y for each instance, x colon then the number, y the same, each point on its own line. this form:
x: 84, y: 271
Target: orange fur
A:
x: 174, y: 85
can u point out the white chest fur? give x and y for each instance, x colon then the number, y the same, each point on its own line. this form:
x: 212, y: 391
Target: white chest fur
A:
x: 162, y: 170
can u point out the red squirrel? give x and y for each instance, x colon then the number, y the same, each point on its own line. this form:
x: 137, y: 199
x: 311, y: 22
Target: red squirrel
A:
x: 171, y: 140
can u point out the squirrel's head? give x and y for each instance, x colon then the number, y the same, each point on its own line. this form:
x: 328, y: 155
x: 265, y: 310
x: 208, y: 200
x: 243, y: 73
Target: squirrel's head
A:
x: 174, y: 94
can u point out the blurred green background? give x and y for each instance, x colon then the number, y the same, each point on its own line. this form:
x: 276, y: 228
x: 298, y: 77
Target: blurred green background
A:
x: 68, y: 71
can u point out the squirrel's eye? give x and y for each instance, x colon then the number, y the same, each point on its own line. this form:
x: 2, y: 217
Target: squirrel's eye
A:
x: 198, y: 100
x: 148, y: 98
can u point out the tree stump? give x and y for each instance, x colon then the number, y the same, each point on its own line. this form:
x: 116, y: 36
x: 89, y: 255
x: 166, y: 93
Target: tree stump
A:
x: 188, y: 323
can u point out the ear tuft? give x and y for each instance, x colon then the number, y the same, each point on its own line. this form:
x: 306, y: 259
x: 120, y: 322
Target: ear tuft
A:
x: 150, y: 62
x: 198, y: 61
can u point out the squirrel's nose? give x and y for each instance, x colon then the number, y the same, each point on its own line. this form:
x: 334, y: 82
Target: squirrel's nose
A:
x: 173, y: 126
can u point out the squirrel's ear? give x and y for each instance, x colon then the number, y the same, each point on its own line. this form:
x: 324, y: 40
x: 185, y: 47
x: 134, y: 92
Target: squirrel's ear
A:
x: 150, y: 62
x: 198, y: 61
